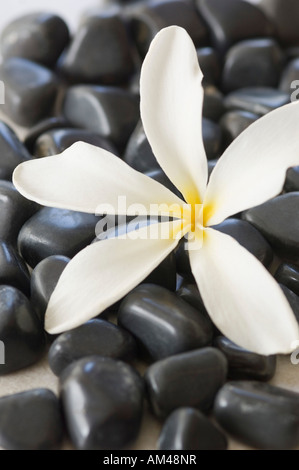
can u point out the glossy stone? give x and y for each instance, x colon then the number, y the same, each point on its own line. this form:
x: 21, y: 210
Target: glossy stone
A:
x: 54, y: 231
x: 231, y: 21
x: 292, y: 179
x: 249, y: 237
x: 183, y: 261
x: 244, y: 364
x: 57, y: 140
x: 12, y: 152
x: 212, y: 138
x: 100, y: 51
x: 254, y: 62
x: 256, y: 100
x: 189, y: 293
x: 188, y: 379
x: 40, y: 37
x: 234, y: 123
x: 277, y: 219
x: 30, y: 90
x: 290, y: 75
x: 165, y: 274
x: 107, y: 396
x: 189, y: 429
x: 159, y: 175
x: 259, y: 414
x: 43, y: 126
x: 96, y: 337
x: 138, y: 153
x: 14, y: 211
x: 147, y: 18
x: 43, y: 281
x: 213, y: 107
x: 13, y: 269
x: 109, y: 111
x: 30, y: 420
x: 293, y: 300
x: 20, y: 330
x: 210, y: 65
x: 162, y: 322
x: 284, y: 16
x: 288, y: 275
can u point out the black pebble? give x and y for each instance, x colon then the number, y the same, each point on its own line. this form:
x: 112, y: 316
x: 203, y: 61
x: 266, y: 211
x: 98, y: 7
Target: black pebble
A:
x: 210, y: 65
x: 189, y: 429
x: 30, y: 90
x: 231, y: 21
x: 109, y: 111
x: 30, y: 420
x: 40, y: 37
x: 54, y: 231
x: 259, y: 414
x: 20, y: 330
x: 162, y: 322
x: 292, y: 179
x: 290, y: 75
x: 138, y: 153
x: 43, y: 281
x: 160, y: 176
x: 288, y: 275
x: 13, y: 269
x: 12, y: 152
x: 102, y: 402
x: 212, y: 138
x: 56, y: 141
x: 256, y: 100
x: 284, y: 16
x: 188, y: 379
x: 213, y: 105
x: 43, y: 126
x: 96, y: 337
x: 254, y: 62
x: 277, y: 219
x: 233, y: 123
x: 243, y: 364
x: 293, y: 300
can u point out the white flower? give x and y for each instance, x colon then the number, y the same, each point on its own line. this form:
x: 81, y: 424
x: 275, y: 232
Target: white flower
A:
x: 242, y: 298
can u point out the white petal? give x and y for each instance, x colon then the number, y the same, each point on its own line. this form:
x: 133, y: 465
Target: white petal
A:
x: 171, y: 110
x: 87, y: 178
x: 242, y: 298
x: 253, y: 169
x: 105, y: 271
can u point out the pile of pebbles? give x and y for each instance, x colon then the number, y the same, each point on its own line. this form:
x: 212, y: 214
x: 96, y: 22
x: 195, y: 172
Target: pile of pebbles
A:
x: 63, y: 89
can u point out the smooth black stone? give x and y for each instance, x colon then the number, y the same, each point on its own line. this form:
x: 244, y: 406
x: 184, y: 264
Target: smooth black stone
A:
x: 165, y: 274
x: 96, y: 337
x: 109, y: 111
x: 57, y: 140
x: 147, y: 18
x: 256, y: 100
x: 233, y: 123
x: 189, y: 293
x: 292, y: 179
x: 189, y: 429
x: 277, y: 219
x: 183, y: 262
x: 30, y: 90
x: 162, y: 322
x: 100, y: 52
x: 54, y: 231
x: 250, y: 63
x: 107, y: 396
x: 212, y: 138
x: 43, y: 281
x: 211, y: 166
x: 44, y: 126
x: 12, y: 152
x: 213, y: 107
x: 288, y: 275
x: 259, y: 414
x: 244, y: 364
x: 210, y: 65
x: 284, y: 16
x: 14, y: 211
x: 160, y: 176
x: 293, y: 300
x: 249, y: 237
x: 290, y: 74
x: 30, y: 420
x: 188, y: 379
x: 231, y: 21
x: 138, y: 153
x: 13, y: 269
x: 20, y: 330
x: 40, y: 37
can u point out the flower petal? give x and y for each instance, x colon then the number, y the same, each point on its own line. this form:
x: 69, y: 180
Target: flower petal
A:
x: 171, y: 110
x: 105, y: 271
x: 253, y: 168
x: 87, y: 178
x: 242, y: 298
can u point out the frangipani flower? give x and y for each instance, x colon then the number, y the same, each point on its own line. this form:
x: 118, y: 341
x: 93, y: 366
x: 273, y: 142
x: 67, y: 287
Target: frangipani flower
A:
x: 242, y: 298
